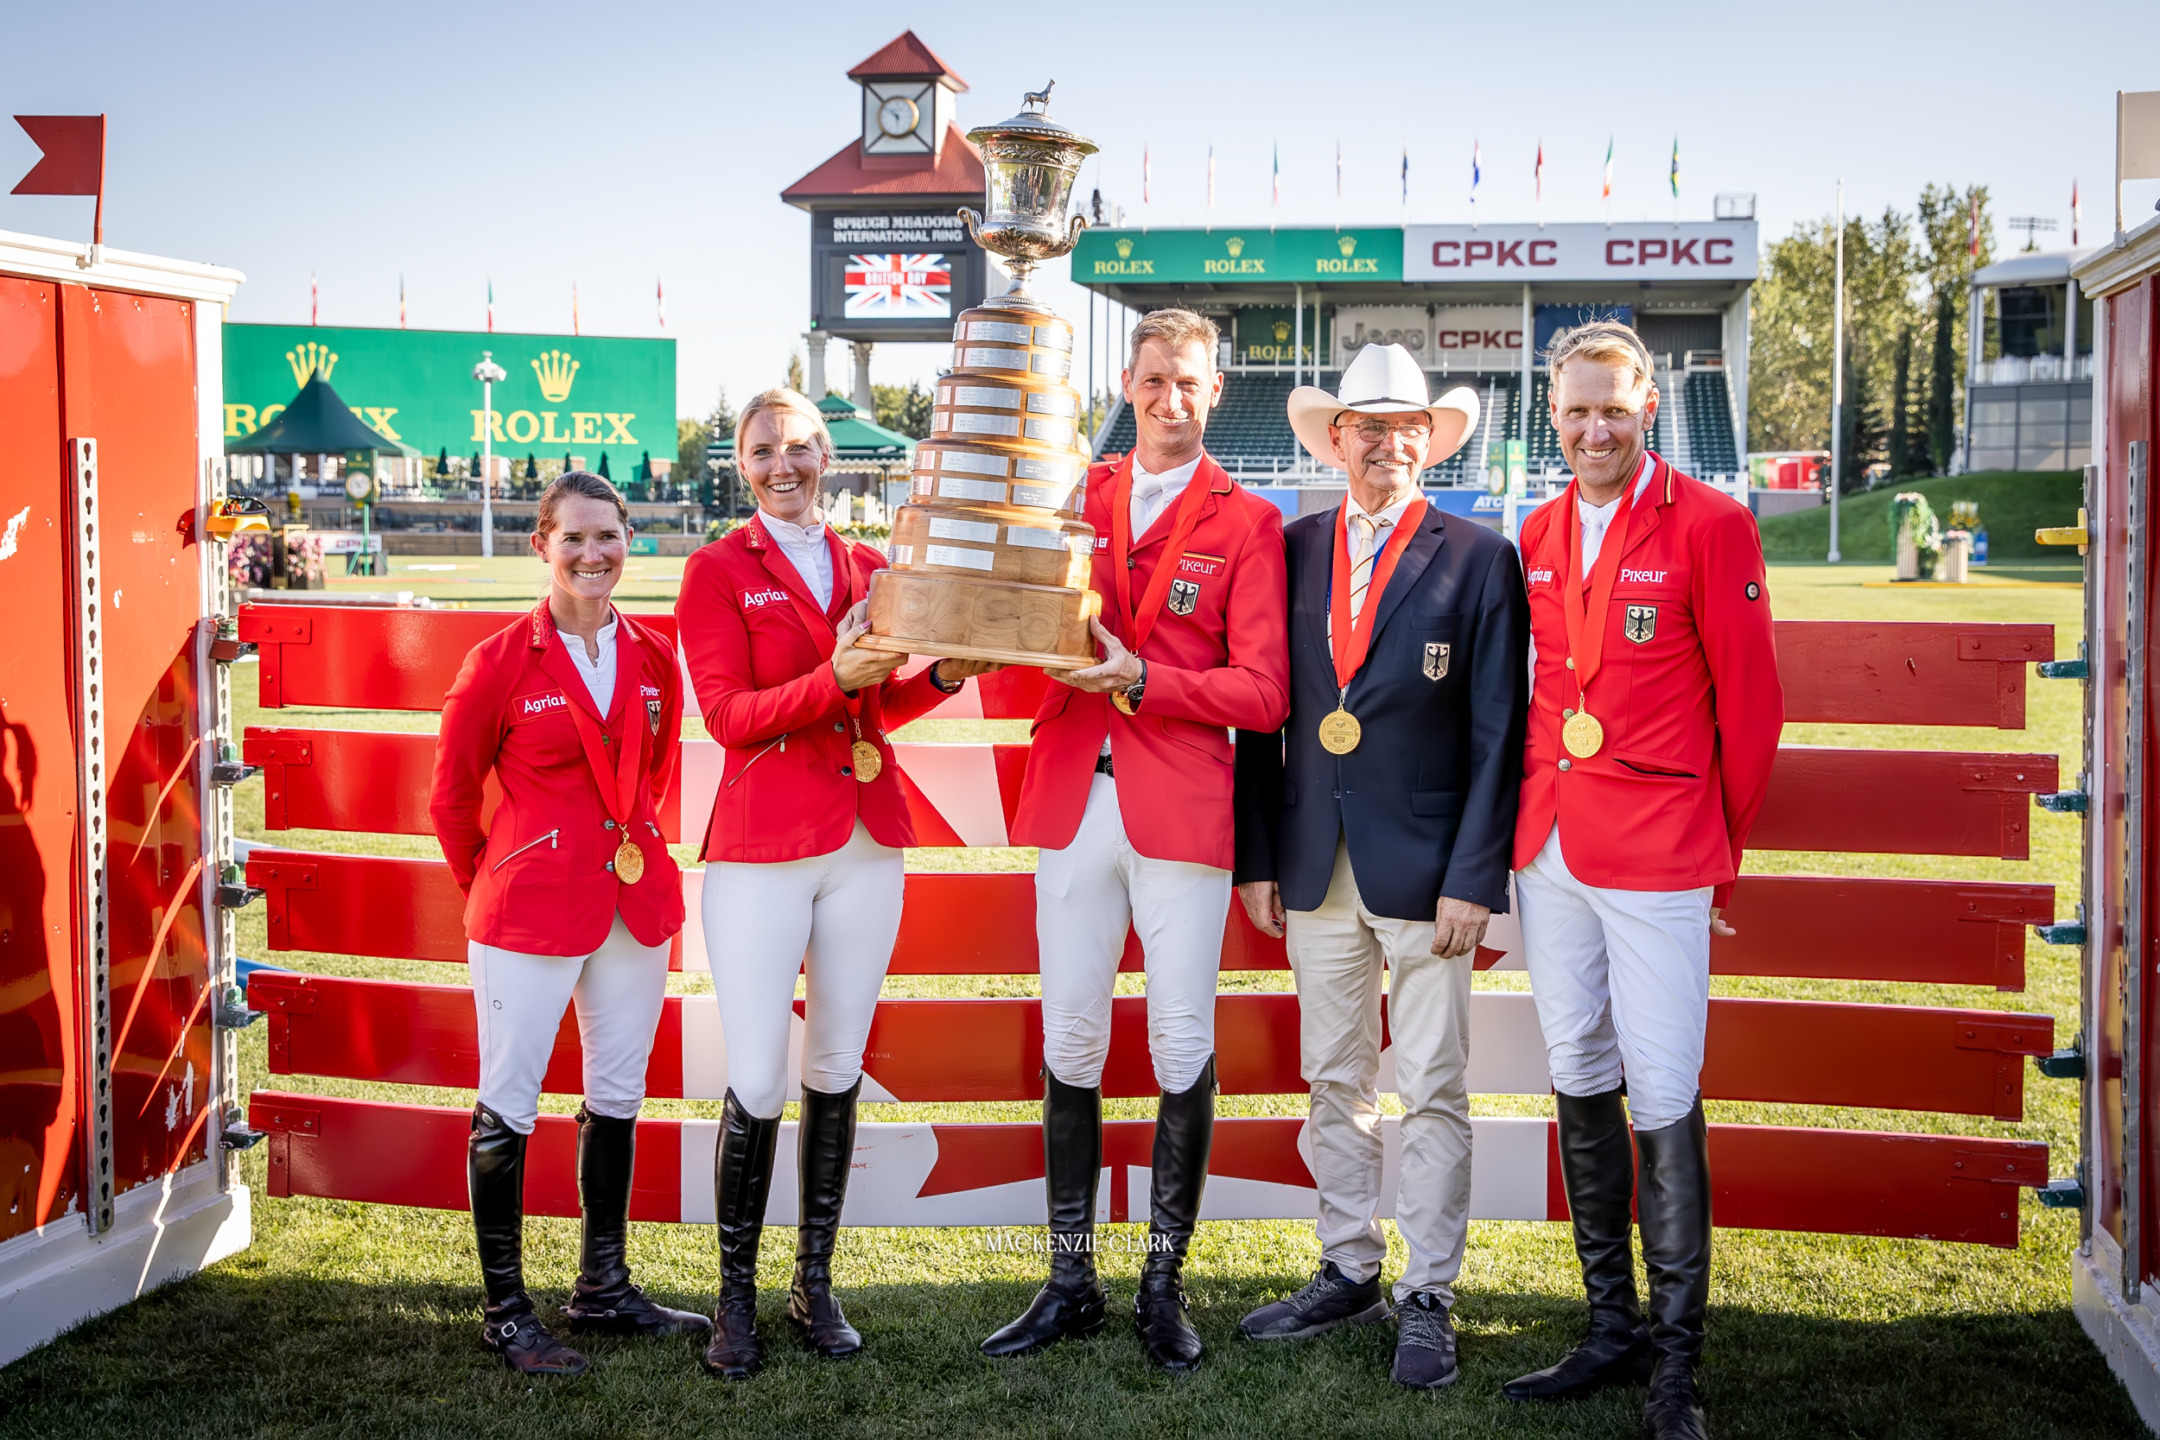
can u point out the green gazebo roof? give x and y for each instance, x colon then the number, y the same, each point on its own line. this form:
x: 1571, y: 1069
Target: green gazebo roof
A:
x: 316, y: 422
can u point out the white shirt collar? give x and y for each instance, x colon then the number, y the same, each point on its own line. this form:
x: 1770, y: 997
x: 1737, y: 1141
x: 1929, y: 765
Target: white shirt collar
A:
x: 790, y: 534
x: 1388, y: 516
x: 1168, y: 480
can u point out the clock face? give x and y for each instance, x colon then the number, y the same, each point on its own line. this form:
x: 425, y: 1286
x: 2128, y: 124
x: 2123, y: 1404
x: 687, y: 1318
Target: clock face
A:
x: 358, y: 483
x: 897, y: 116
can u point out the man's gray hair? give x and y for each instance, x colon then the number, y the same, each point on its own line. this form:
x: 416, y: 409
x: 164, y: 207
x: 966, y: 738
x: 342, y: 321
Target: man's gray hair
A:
x: 1608, y: 341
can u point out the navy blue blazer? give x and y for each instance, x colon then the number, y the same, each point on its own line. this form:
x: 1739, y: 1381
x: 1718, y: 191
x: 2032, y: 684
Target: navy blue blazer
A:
x: 1427, y: 800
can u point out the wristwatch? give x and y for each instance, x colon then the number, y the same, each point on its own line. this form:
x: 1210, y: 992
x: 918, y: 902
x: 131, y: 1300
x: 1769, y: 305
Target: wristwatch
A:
x: 942, y: 686
x: 1128, y: 699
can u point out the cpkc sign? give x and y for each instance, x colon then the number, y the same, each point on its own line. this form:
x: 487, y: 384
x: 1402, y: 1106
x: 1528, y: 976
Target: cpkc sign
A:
x: 1721, y: 250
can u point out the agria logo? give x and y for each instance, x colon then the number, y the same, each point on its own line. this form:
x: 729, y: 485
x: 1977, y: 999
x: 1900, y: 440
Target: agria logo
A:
x: 556, y: 372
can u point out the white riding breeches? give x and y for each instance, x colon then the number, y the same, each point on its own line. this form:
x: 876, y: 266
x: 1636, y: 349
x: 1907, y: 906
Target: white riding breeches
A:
x: 1622, y: 981
x: 832, y: 918
x: 619, y: 990
x: 1086, y: 896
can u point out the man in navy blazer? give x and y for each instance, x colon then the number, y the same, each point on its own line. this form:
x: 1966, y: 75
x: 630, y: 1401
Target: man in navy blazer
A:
x: 1375, y: 829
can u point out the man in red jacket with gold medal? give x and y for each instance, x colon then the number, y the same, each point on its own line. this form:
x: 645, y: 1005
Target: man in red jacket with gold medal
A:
x: 1654, y: 717
x: 1128, y: 794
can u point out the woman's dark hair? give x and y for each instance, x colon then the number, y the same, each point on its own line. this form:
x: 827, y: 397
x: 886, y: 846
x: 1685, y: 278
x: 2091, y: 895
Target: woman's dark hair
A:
x: 576, y: 482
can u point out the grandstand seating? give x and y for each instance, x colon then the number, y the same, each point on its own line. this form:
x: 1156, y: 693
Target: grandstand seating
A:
x: 1711, y: 447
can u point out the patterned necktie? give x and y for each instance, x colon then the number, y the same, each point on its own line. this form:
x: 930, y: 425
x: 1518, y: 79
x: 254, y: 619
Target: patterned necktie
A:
x: 1364, y: 546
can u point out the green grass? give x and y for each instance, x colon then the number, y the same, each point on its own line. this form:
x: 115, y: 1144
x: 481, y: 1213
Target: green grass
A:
x: 361, y: 1321
x: 2012, y: 506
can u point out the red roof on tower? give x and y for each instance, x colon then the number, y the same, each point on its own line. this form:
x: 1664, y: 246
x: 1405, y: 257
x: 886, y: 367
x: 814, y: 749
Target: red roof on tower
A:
x: 956, y: 170
x: 907, y: 58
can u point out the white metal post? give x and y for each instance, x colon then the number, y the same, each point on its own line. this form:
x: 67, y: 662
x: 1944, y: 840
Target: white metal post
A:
x: 1837, y: 377
x: 487, y: 372
x: 1297, y: 337
x: 1529, y: 348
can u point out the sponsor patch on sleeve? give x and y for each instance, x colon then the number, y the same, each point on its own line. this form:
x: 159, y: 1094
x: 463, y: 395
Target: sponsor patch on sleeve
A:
x: 1754, y: 591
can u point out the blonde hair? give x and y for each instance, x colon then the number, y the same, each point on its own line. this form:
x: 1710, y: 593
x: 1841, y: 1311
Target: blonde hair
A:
x: 1176, y: 329
x: 780, y: 397
x: 1608, y: 341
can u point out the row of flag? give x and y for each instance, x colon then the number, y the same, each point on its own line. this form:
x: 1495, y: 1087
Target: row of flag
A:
x: 577, y: 323
x: 1477, y: 174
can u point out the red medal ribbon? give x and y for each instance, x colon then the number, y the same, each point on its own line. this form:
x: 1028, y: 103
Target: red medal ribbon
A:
x: 621, y: 796
x: 1588, y: 657
x: 1141, y: 623
x: 1350, y: 653
x: 821, y: 627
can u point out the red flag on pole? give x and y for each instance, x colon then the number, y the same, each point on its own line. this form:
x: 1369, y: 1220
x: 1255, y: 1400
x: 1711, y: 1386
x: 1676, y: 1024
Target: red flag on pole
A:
x: 73, y: 162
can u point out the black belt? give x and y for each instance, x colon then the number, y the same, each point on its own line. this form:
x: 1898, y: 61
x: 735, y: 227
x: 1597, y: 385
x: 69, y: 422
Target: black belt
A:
x: 1104, y: 767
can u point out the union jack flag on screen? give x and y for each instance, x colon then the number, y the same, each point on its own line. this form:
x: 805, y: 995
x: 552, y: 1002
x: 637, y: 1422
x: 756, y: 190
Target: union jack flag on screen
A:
x: 898, y: 287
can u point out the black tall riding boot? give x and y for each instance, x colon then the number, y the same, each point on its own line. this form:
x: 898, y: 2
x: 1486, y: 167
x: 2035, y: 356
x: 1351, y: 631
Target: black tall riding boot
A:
x: 824, y: 1151
x: 742, y: 1178
x: 1674, y: 1200
x: 1070, y: 1306
x: 606, y: 1301
x: 1597, y: 1164
x: 1184, y: 1133
x: 495, y: 1176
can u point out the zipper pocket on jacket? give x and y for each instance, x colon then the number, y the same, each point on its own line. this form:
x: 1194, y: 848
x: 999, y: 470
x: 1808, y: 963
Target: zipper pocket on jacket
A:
x: 781, y: 743
x: 550, y: 837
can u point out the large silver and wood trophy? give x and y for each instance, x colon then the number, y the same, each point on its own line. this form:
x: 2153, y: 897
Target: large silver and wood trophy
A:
x: 990, y: 559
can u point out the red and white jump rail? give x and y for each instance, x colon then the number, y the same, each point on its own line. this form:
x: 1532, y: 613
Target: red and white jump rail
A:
x: 1889, y: 1057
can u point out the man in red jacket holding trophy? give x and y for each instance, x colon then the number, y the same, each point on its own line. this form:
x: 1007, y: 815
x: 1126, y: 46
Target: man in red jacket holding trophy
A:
x: 1654, y: 717
x: 1128, y: 794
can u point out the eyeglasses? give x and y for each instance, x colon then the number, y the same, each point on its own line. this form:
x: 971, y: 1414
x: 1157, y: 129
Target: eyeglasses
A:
x: 1374, y: 431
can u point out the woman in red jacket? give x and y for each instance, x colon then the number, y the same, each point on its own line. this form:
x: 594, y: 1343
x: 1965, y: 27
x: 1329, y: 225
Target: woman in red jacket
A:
x: 803, y: 867
x: 570, y: 893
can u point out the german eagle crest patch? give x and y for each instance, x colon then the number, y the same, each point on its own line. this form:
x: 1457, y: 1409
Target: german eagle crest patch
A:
x: 1641, y: 623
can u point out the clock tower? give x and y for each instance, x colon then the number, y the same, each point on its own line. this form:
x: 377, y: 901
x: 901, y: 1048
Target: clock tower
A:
x: 890, y: 259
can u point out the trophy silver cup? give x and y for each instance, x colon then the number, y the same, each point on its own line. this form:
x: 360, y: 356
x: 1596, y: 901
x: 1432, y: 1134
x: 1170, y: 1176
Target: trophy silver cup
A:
x: 991, y: 558
x: 1030, y: 163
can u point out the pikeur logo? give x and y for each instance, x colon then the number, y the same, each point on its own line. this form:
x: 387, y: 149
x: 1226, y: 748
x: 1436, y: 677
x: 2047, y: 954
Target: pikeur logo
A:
x: 751, y: 599
x: 1642, y: 577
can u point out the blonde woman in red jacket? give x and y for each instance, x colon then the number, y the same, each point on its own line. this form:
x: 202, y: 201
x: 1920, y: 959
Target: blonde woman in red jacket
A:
x: 570, y: 895
x: 803, y: 867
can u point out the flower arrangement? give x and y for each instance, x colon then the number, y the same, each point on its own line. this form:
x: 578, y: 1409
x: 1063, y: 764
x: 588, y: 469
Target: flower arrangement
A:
x: 1913, y: 522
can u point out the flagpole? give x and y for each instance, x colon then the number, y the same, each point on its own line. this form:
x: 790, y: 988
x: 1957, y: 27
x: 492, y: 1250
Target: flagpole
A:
x: 1837, y: 376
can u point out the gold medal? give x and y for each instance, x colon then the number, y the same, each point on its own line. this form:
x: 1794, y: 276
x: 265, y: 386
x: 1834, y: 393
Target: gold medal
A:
x: 1117, y: 698
x: 1582, y: 734
x: 867, y: 761
x: 1340, y: 732
x: 629, y: 862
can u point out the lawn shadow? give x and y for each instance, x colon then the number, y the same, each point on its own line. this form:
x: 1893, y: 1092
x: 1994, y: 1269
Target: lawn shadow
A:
x: 242, y: 1355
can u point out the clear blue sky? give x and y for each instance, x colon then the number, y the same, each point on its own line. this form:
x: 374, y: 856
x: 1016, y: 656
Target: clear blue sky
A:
x: 541, y: 143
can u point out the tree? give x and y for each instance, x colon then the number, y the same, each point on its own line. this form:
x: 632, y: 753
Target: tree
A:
x: 693, y: 477
x: 795, y: 380
x: 905, y: 410
x: 1900, y: 456
x: 1942, y: 384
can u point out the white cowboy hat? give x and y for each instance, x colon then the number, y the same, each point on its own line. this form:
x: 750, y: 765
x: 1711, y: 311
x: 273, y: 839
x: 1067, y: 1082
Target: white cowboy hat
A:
x: 1383, y: 380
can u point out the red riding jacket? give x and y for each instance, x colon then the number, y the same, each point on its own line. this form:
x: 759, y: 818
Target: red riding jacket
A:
x: 538, y: 874
x: 1687, y: 691
x: 759, y: 648
x: 1218, y: 659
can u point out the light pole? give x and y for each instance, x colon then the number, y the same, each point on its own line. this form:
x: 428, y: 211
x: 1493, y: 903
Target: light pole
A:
x: 1837, y: 375
x: 487, y: 372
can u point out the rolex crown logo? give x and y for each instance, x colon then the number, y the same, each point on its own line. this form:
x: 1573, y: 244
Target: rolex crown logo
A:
x: 310, y: 359
x: 1235, y: 245
x: 1282, y: 331
x: 1124, y: 248
x: 1347, y: 244
x: 557, y: 371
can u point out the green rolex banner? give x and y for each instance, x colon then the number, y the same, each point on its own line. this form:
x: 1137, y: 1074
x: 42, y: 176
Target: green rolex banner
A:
x: 595, y: 394
x: 1324, y: 257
